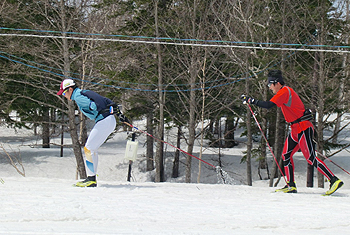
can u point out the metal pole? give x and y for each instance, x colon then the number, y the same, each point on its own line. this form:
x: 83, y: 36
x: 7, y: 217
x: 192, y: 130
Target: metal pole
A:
x: 130, y: 161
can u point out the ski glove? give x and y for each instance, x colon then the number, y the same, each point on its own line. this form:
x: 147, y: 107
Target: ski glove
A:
x: 246, y: 99
x: 122, y: 118
x: 114, y: 109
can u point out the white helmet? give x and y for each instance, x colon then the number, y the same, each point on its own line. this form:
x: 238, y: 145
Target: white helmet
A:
x: 65, y: 84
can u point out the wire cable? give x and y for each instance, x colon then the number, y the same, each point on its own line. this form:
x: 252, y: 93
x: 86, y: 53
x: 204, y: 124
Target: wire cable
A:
x: 194, y: 42
x: 261, y: 47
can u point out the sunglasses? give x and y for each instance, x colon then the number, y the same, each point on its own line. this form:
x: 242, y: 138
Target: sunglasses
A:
x: 269, y: 85
x: 64, y: 92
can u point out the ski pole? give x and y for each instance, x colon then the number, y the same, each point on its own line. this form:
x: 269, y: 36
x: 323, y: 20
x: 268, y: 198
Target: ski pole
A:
x: 226, y: 179
x: 170, y: 145
x: 256, y: 120
x: 111, y: 111
x: 221, y: 174
x: 333, y: 162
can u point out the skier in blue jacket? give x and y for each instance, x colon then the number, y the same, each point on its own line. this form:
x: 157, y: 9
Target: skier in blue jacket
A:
x: 95, y: 107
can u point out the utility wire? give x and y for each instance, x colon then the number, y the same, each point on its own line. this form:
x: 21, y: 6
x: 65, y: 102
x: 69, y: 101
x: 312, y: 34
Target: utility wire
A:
x: 260, y: 47
x: 119, y: 87
x: 199, y: 42
x: 236, y: 78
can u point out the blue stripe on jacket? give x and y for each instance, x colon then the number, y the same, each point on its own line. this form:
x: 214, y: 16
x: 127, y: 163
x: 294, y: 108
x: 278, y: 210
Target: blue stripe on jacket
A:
x: 90, y: 103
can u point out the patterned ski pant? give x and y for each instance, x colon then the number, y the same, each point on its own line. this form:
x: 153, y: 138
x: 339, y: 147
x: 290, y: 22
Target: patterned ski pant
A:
x: 97, y: 137
x: 304, y: 142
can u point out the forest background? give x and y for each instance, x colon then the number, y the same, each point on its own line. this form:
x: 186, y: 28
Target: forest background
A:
x: 178, y: 65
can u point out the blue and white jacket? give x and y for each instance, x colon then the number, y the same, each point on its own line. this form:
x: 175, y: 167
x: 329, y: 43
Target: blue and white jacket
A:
x: 90, y: 103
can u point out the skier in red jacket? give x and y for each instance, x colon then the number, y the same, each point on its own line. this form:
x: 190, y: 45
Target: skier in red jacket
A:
x: 302, y: 131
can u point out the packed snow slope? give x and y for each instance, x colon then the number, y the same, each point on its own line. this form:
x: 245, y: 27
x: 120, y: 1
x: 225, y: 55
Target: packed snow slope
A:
x: 44, y: 201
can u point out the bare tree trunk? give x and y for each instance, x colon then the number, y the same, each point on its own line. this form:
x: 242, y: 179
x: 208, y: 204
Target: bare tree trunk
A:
x: 280, y: 121
x: 310, y: 169
x: 149, y: 151
x: 345, y: 75
x: 320, y: 104
x: 249, y: 141
x: 75, y: 140
x: 177, y: 154
x: 192, y: 122
x: 83, y: 136
x: 160, y: 146
x: 229, y: 134
x: 192, y: 101
x: 262, y: 161
x: 281, y: 135
x: 71, y: 107
x: 46, y: 128
x: 202, y: 127
x: 278, y: 146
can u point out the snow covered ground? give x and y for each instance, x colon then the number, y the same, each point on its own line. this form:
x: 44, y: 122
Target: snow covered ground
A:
x: 44, y: 202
